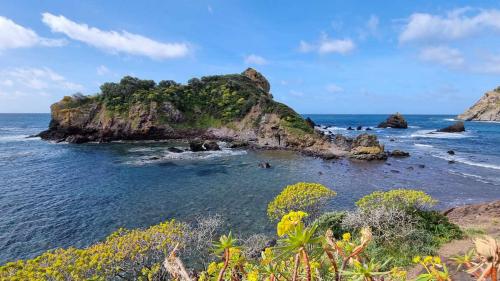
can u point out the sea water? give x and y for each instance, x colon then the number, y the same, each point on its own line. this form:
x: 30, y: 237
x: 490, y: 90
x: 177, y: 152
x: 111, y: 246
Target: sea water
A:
x: 60, y: 195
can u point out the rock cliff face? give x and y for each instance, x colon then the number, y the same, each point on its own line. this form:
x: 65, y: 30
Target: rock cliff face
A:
x: 485, y: 109
x: 235, y: 107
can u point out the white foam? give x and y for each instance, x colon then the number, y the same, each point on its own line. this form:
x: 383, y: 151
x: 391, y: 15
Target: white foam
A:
x: 423, y: 145
x: 186, y: 155
x: 450, y: 119
x: 14, y: 138
x: 439, y: 135
x: 413, y: 127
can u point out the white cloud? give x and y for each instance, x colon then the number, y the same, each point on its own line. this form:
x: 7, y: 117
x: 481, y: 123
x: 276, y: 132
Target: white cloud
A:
x: 456, y: 24
x: 34, y: 81
x: 102, y: 70
x: 372, y: 24
x: 297, y: 94
x: 114, y: 41
x: 210, y: 10
x: 442, y: 55
x: 488, y: 65
x: 13, y: 35
x: 327, y: 45
x: 332, y: 88
x: 255, y: 59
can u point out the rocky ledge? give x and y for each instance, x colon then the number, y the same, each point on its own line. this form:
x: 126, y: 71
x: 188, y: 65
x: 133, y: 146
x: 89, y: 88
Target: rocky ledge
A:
x: 485, y: 109
x: 238, y: 108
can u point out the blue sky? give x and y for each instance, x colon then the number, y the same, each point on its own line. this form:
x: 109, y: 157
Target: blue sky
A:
x: 325, y: 57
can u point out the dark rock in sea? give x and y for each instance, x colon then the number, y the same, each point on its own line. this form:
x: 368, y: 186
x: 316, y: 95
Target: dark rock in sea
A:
x: 367, y: 147
x: 410, y: 168
x: 396, y: 121
x: 211, y: 145
x: 395, y: 171
x: 368, y: 129
x: 451, y: 152
x: 198, y: 145
x: 399, y: 153
x: 320, y: 173
x: 455, y: 128
x: 238, y: 144
x: 359, y: 128
x: 451, y: 162
x: 388, y: 164
x: 310, y: 122
x: 421, y: 166
x: 175, y: 150
x: 77, y: 139
x: 392, y: 140
x: 350, y: 128
x: 265, y: 165
x: 154, y: 158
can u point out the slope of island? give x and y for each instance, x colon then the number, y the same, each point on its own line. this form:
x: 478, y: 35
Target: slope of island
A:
x: 487, y: 108
x: 237, y: 108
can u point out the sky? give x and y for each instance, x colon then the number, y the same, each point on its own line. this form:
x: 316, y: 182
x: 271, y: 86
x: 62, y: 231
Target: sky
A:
x: 332, y: 57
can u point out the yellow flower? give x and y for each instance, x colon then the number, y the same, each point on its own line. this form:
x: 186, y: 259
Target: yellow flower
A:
x: 289, y: 222
x: 417, y: 259
x: 437, y: 260
x: 346, y: 236
x: 427, y: 259
x: 212, y: 268
x: 253, y: 275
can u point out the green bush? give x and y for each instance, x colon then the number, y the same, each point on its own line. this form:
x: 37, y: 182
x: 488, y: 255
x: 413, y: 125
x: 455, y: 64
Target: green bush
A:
x: 302, y: 196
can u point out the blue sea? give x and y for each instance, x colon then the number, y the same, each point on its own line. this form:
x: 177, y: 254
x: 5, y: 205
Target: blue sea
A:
x: 60, y: 195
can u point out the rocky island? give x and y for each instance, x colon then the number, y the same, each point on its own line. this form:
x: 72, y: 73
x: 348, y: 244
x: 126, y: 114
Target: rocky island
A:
x: 237, y: 108
x: 487, y: 108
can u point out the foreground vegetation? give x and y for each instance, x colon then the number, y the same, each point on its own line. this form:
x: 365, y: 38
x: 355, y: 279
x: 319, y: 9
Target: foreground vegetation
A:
x: 386, y: 233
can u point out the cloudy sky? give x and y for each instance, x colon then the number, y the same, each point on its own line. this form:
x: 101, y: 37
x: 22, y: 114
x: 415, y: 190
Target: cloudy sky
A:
x: 326, y: 57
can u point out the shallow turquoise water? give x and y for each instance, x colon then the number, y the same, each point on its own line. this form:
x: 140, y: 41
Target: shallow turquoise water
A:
x: 60, y: 195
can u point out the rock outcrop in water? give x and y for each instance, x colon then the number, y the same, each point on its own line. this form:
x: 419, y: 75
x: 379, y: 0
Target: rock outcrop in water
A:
x: 396, y: 121
x: 236, y: 107
x: 367, y: 147
x: 457, y: 127
x: 485, y: 109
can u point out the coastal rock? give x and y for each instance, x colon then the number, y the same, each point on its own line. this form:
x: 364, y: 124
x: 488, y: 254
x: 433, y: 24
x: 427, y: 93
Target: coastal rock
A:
x: 399, y: 153
x: 359, y: 128
x: 455, y: 128
x: 451, y: 152
x: 199, y: 145
x: 487, y: 108
x: 350, y: 128
x: 368, y: 129
x: 310, y: 122
x: 238, y: 144
x: 367, y: 147
x: 175, y: 150
x: 396, y: 121
x: 241, y: 109
x: 265, y: 165
x: 258, y: 78
x: 341, y: 141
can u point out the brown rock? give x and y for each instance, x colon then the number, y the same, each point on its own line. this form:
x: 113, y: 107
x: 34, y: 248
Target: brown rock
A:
x: 396, y: 121
x: 258, y: 78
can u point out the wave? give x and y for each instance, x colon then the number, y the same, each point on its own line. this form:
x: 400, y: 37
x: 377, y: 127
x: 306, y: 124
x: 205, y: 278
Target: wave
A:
x: 472, y: 176
x: 465, y: 161
x: 15, y: 138
x: 186, y: 155
x: 414, y: 127
x: 439, y: 135
x: 450, y: 119
x: 423, y: 145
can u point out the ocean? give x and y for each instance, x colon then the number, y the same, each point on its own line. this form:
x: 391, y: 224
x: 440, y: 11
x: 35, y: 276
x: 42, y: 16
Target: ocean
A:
x: 61, y: 195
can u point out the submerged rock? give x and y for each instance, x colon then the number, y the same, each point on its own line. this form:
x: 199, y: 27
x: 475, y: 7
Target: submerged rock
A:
x: 451, y: 152
x: 396, y: 121
x: 399, y: 153
x: 265, y: 165
x: 455, y: 128
x: 175, y: 150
